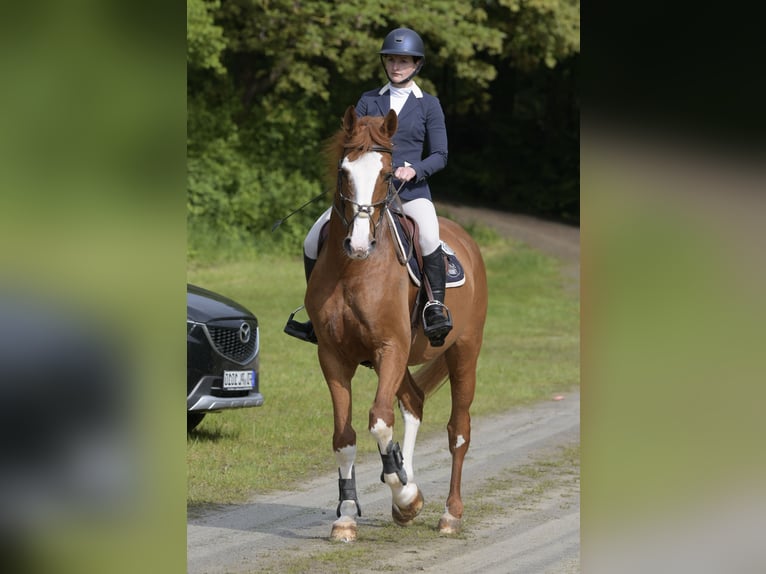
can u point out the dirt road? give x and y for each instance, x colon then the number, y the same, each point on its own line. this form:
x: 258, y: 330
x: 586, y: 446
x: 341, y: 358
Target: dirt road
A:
x: 520, y: 488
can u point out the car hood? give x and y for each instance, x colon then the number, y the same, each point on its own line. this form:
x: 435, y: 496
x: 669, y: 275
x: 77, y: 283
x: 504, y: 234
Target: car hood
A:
x: 203, y: 305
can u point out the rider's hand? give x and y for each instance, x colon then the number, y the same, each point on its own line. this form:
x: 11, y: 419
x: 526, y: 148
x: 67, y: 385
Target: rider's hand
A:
x: 405, y: 173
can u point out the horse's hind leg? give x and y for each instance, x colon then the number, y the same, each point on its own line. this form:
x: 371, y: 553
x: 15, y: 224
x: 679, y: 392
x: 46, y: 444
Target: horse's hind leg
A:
x: 462, y: 369
x: 411, y: 406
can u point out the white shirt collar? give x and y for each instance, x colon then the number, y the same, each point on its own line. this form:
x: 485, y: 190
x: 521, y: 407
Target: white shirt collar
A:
x: 418, y: 93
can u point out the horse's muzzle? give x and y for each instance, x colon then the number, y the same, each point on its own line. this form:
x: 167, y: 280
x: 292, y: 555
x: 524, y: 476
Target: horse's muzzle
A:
x: 358, y: 252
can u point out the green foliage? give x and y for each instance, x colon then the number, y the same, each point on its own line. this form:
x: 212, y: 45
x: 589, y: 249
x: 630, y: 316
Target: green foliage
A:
x: 528, y: 159
x: 540, y: 31
x: 285, y: 47
x: 268, y: 82
x: 244, y: 176
x: 204, y: 39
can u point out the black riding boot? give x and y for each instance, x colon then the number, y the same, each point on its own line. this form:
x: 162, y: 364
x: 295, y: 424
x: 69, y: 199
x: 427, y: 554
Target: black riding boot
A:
x: 437, y: 321
x: 302, y: 331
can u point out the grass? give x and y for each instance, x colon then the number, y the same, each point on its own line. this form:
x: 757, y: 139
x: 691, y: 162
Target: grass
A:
x: 531, y: 350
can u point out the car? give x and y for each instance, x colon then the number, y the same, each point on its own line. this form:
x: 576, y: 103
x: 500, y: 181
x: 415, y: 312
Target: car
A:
x: 222, y: 355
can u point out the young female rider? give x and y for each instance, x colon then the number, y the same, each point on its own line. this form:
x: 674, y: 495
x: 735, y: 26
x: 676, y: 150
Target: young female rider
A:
x: 420, y: 150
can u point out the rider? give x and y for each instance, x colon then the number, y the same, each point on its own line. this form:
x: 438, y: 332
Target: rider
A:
x: 420, y: 150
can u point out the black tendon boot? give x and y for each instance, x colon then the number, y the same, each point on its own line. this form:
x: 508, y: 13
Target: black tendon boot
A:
x: 437, y: 321
x: 302, y: 331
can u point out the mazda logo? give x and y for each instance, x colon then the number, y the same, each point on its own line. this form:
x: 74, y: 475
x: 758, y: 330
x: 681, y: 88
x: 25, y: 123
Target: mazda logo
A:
x: 244, y: 333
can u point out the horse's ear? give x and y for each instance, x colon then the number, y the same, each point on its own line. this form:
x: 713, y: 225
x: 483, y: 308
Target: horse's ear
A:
x: 390, y: 123
x: 349, y: 119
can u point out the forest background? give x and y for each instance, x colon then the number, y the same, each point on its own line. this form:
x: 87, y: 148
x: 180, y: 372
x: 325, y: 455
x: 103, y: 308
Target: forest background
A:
x: 268, y: 82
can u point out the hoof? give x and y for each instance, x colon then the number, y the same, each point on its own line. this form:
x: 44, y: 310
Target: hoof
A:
x: 343, y: 530
x: 448, y: 524
x: 405, y: 516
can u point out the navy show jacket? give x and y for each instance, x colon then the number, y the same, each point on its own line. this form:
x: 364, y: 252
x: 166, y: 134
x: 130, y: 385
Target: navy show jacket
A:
x: 420, y: 140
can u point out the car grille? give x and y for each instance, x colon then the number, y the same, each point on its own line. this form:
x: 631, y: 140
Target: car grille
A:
x: 226, y: 341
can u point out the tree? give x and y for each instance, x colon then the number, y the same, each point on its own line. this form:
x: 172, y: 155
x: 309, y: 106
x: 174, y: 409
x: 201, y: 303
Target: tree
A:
x: 268, y: 81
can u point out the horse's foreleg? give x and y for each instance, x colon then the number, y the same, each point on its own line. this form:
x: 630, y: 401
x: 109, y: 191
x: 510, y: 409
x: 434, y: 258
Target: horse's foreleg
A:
x: 407, y: 500
x: 344, y: 446
x: 344, y: 528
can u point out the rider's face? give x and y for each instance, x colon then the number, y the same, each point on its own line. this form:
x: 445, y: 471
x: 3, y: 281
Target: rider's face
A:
x: 399, y: 68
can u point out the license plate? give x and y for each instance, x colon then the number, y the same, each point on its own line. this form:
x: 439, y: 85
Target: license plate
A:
x: 238, y: 379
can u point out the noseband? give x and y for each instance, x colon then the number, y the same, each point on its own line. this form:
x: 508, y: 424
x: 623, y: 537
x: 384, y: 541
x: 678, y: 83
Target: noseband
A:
x: 366, y: 209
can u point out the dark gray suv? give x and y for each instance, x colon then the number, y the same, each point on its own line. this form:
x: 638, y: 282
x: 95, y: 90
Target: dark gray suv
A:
x: 222, y: 355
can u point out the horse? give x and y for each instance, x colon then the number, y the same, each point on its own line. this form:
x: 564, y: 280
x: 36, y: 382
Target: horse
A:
x: 361, y: 302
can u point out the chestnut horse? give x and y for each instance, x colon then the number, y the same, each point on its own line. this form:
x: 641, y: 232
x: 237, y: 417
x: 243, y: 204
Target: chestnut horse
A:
x: 360, y: 300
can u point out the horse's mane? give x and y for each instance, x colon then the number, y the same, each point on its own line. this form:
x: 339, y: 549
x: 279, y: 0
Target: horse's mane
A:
x: 367, y: 134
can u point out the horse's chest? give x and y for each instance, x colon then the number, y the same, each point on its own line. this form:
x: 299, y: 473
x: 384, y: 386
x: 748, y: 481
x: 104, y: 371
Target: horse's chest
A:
x: 362, y: 316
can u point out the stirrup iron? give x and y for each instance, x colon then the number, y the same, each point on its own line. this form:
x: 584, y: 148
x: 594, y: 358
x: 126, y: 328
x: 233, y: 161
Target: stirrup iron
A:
x: 436, y: 333
x: 302, y: 331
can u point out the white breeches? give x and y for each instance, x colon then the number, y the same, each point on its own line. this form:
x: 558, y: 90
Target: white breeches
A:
x: 421, y: 210
x: 311, y: 243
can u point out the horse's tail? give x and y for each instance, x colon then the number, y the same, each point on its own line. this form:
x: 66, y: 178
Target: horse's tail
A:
x: 431, y: 376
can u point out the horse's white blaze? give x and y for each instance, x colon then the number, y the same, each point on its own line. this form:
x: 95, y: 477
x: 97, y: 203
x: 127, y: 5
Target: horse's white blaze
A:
x: 345, y: 459
x: 460, y: 441
x: 411, y: 426
x: 362, y: 174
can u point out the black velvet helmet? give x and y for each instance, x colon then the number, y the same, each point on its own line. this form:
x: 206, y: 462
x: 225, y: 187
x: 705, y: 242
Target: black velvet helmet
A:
x: 403, y: 42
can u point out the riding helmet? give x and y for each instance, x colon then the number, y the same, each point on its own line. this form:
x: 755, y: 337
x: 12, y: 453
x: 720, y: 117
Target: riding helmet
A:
x: 404, y: 42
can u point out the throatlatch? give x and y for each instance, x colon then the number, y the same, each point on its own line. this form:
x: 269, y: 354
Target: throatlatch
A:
x: 393, y: 462
x: 347, y: 491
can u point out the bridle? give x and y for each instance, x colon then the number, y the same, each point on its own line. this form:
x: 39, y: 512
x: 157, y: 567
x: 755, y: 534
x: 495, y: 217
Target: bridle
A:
x: 362, y: 209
